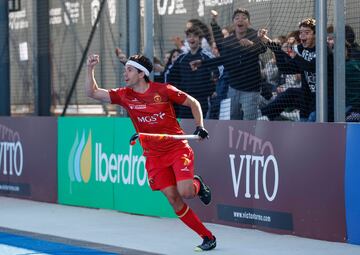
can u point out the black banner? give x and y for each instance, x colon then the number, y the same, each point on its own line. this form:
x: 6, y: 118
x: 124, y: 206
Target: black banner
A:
x: 252, y: 216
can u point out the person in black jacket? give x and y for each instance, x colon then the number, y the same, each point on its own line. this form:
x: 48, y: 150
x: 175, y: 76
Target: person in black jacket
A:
x: 239, y: 54
x: 301, y: 60
x: 199, y: 83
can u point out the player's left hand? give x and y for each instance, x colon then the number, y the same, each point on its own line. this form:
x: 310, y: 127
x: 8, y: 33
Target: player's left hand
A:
x: 133, y: 139
x: 202, y: 132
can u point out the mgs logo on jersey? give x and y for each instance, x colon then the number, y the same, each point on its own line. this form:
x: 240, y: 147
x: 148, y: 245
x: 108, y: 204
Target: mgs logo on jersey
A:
x: 151, y: 119
x: 80, y: 157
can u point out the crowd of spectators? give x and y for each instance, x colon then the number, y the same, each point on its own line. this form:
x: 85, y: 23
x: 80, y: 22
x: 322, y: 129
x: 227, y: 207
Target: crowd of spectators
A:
x: 238, y: 72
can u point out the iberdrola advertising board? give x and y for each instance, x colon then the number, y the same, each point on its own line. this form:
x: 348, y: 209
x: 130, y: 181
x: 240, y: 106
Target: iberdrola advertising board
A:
x: 97, y: 167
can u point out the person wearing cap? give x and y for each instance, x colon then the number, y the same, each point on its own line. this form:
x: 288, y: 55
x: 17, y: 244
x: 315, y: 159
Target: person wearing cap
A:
x: 169, y: 163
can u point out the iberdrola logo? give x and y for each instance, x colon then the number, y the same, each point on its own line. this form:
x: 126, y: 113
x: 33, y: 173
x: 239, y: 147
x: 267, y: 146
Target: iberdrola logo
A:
x: 80, y: 158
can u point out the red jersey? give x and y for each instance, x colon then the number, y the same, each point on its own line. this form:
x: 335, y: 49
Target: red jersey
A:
x: 153, y: 112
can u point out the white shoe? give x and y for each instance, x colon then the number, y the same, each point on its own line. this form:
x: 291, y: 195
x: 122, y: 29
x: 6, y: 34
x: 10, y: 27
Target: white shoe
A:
x: 263, y: 118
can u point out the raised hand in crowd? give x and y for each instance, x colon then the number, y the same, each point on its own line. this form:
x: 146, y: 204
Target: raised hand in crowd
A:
x: 195, y: 64
x: 263, y: 35
x: 214, y: 15
x: 246, y: 42
x: 178, y: 42
x: 121, y: 56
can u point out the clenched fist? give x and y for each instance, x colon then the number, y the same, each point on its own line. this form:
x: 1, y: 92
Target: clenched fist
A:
x: 92, y: 60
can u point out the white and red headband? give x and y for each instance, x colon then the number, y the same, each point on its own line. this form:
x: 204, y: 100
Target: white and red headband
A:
x: 138, y: 66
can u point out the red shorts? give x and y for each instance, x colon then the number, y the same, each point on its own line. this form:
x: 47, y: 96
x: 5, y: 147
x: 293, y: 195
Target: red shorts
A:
x: 167, y: 170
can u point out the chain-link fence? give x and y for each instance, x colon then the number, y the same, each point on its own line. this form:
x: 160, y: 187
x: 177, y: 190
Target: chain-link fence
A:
x: 71, y: 23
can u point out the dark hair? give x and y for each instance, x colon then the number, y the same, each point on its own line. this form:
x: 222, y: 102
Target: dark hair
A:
x: 206, y: 32
x: 142, y: 60
x: 157, y: 60
x: 349, y: 34
x: 243, y: 11
x: 295, y: 34
x: 172, y: 52
x: 145, y: 62
x: 330, y: 29
x: 308, y: 22
x: 194, y: 30
x: 282, y: 39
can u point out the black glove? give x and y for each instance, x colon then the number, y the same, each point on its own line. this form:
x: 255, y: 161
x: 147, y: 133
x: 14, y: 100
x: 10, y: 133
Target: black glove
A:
x: 202, y: 132
x: 133, y: 138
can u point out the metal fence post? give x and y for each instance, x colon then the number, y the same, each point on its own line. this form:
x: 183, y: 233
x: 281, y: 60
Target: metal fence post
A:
x: 321, y: 61
x: 5, y: 109
x: 339, y: 62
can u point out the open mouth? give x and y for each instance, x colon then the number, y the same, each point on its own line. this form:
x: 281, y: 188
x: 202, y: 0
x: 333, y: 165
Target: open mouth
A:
x: 191, y: 43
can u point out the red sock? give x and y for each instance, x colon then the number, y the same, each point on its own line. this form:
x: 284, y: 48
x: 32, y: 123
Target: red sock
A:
x: 188, y: 216
x: 196, y: 185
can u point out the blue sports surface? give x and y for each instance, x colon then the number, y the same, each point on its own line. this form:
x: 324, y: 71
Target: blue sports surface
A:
x: 11, y: 244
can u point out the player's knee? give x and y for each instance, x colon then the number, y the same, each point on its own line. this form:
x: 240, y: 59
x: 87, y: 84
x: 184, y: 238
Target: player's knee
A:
x: 187, y: 193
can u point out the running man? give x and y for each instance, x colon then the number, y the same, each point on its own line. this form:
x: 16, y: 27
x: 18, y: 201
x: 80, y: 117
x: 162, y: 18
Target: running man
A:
x: 170, y: 163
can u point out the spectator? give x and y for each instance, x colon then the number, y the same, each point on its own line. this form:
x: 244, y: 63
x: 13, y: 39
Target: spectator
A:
x: 239, y: 53
x: 197, y: 84
x: 352, y: 81
x: 226, y: 31
x: 290, y: 80
x: 221, y: 91
x: 173, y: 55
x: 353, y: 48
x: 352, y: 75
x: 166, y: 57
x: 352, y: 72
x: 301, y: 60
x: 206, y: 40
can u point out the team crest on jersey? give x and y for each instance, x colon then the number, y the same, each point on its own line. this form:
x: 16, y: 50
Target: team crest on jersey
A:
x: 157, y: 98
x: 186, y: 160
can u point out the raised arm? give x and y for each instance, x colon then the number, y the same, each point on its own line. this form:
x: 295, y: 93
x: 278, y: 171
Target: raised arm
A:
x: 121, y: 56
x: 91, y: 87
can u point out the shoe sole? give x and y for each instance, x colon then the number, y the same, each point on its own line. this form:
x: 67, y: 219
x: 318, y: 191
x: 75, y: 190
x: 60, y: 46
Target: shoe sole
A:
x: 198, y: 249
x: 207, y: 187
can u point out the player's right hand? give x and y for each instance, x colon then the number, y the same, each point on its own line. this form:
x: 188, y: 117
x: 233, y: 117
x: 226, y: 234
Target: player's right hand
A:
x: 92, y: 60
x: 201, y: 132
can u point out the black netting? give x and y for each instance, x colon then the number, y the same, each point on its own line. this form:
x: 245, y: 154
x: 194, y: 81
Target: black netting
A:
x: 245, y: 87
